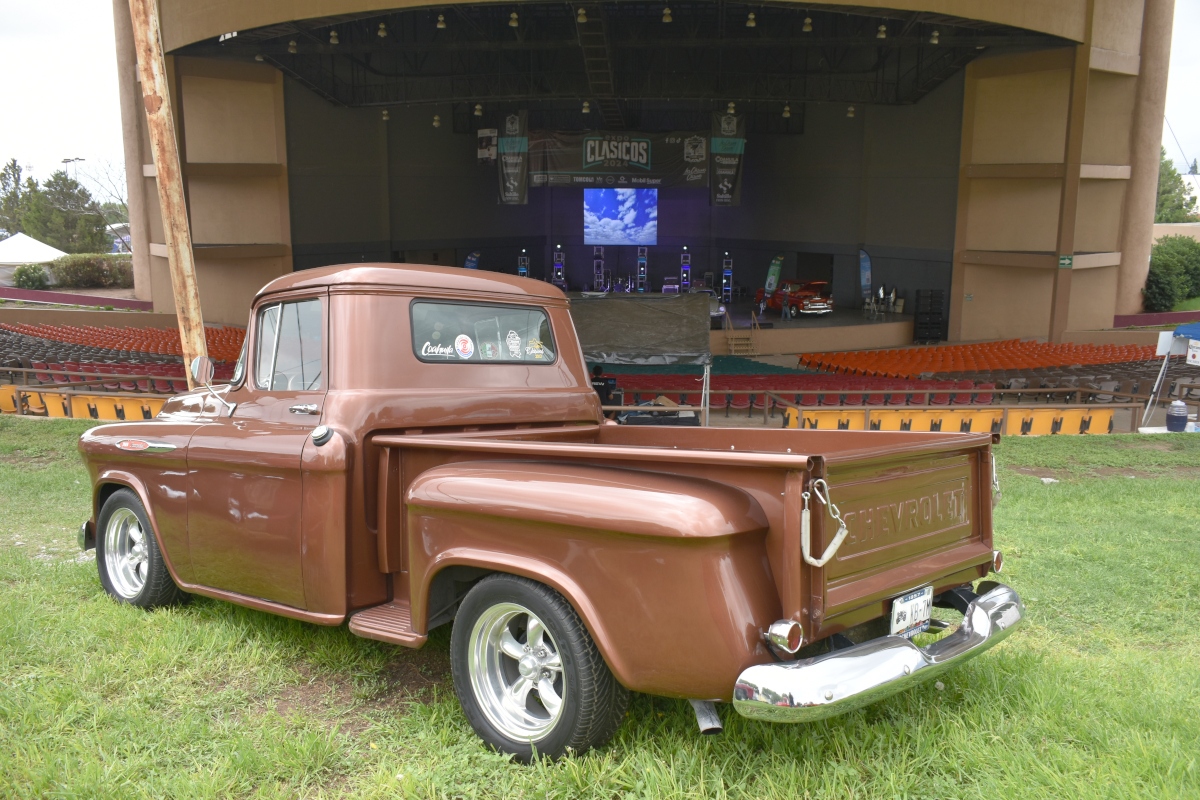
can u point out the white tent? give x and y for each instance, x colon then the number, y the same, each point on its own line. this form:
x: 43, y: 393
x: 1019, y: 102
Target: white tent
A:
x: 20, y: 249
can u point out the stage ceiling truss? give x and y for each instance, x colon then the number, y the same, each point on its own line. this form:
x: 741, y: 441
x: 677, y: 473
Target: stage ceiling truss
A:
x: 635, y: 70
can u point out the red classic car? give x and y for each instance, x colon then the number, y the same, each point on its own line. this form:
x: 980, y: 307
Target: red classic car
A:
x: 810, y: 297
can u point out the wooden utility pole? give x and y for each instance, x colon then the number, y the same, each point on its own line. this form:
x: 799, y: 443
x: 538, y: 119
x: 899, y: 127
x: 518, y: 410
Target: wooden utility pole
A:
x: 152, y: 69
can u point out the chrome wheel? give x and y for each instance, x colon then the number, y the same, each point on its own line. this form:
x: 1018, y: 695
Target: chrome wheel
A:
x: 516, y: 672
x: 125, y: 553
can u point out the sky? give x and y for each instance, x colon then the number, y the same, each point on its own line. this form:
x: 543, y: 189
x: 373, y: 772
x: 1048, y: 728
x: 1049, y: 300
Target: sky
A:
x: 60, y: 100
x: 620, y: 216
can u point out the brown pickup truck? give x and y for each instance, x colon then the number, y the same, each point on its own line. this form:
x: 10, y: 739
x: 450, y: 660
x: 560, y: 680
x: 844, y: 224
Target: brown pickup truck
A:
x: 404, y: 447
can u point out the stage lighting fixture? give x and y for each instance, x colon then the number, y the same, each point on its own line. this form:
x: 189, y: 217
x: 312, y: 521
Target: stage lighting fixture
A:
x: 437, y: 120
x: 934, y: 38
x: 587, y: 107
x: 259, y: 57
x: 807, y: 25
x: 882, y: 34
x: 386, y: 115
x: 850, y: 112
x: 787, y: 111
x: 382, y: 32
x: 478, y: 110
x: 729, y: 109
x: 512, y: 20
x: 292, y: 46
x: 333, y: 37
x: 750, y: 23
x: 441, y: 23
x: 667, y: 15
x: 581, y: 16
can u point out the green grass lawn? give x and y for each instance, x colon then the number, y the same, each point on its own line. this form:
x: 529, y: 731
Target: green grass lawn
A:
x: 1097, y: 696
x: 1192, y: 304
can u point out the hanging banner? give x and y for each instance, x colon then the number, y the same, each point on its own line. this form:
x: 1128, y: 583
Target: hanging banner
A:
x: 864, y: 273
x: 602, y: 159
x: 485, y: 145
x: 727, y: 146
x: 773, y: 274
x: 514, y: 160
x: 1193, y: 352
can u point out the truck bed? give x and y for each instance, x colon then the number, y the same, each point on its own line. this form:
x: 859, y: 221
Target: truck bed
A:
x: 916, y: 505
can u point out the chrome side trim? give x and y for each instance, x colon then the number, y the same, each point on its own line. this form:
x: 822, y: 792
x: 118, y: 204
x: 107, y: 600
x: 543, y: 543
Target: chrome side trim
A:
x: 845, y: 680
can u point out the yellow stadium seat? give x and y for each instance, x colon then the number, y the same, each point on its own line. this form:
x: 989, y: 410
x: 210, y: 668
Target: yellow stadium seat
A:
x: 106, y: 408
x: 150, y: 407
x: 34, y: 404
x: 81, y: 406
x: 8, y: 399
x: 57, y: 405
x: 842, y: 419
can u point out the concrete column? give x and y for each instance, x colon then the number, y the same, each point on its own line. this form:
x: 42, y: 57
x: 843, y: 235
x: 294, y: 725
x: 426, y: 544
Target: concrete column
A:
x: 1137, y: 228
x: 131, y: 117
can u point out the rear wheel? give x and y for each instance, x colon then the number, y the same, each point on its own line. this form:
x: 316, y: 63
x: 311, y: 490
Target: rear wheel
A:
x: 528, y: 675
x: 130, y: 564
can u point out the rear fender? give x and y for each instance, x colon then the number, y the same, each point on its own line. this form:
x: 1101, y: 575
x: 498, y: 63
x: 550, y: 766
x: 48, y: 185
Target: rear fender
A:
x: 668, y: 574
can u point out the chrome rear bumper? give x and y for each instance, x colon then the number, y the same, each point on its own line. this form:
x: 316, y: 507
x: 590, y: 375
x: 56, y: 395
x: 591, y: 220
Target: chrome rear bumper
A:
x: 844, y: 680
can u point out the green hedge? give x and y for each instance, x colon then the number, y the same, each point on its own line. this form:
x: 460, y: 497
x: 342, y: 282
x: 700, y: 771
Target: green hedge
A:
x: 30, y: 276
x: 94, y: 271
x: 1174, y: 273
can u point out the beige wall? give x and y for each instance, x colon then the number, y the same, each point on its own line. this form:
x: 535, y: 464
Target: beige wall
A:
x: 1191, y: 229
x: 1052, y: 165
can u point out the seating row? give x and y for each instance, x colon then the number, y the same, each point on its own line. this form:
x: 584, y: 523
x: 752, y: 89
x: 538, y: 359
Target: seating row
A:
x: 1020, y: 421
x: 78, y: 406
x: 1014, y: 354
x: 224, y: 343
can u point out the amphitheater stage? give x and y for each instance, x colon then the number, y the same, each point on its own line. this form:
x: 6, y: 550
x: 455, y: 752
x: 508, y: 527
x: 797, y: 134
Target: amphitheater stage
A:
x: 843, y: 329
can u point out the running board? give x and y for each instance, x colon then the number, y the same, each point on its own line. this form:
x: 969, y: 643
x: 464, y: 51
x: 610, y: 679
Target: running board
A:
x: 390, y: 622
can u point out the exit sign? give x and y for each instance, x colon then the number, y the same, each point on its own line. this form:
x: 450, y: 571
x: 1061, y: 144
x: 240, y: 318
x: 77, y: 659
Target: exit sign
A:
x: 1066, y: 262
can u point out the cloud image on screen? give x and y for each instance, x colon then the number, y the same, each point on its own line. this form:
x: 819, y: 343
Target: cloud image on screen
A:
x: 620, y: 216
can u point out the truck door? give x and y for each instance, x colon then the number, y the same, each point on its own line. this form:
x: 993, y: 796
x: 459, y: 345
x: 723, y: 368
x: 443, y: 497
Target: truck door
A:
x: 244, y: 476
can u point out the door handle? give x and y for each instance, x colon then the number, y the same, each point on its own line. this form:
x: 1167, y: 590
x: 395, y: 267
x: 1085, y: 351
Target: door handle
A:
x: 305, y: 408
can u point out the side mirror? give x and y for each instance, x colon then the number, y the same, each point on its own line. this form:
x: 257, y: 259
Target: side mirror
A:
x: 203, y: 370
x: 202, y: 374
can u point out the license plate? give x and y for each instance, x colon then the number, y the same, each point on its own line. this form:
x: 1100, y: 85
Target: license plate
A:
x: 910, y: 613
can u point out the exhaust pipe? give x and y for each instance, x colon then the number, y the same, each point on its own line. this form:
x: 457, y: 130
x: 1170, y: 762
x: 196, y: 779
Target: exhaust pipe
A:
x: 706, y: 717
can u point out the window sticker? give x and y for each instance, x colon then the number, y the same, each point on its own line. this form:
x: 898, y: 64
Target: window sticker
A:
x: 453, y: 331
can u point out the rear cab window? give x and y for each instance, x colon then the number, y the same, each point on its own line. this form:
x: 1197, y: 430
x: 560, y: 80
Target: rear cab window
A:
x: 447, y: 332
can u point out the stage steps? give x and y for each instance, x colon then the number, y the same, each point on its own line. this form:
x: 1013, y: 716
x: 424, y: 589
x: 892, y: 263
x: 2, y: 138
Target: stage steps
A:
x: 741, y: 343
x: 390, y: 622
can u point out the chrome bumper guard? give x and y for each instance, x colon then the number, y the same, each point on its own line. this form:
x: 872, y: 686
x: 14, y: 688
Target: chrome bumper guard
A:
x: 848, y: 679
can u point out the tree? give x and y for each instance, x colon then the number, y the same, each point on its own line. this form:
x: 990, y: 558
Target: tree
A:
x: 1195, y: 168
x: 63, y: 215
x: 1174, y: 204
x: 14, y: 197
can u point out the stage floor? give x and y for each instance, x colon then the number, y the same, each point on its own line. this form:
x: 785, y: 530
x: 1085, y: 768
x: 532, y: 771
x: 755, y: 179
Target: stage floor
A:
x: 740, y: 310
x: 842, y: 329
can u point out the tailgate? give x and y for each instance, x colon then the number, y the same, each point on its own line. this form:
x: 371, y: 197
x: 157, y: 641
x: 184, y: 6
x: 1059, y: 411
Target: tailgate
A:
x: 912, y: 521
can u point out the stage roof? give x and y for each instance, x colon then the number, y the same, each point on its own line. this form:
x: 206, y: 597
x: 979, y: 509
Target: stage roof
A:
x: 643, y: 329
x: 638, y: 70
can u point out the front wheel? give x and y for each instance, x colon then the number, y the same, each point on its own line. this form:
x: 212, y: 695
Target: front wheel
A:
x: 793, y: 311
x: 528, y: 675
x: 131, y: 566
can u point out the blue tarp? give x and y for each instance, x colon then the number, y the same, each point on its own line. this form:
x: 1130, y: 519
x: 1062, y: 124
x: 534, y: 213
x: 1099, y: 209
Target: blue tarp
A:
x: 1191, y: 331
